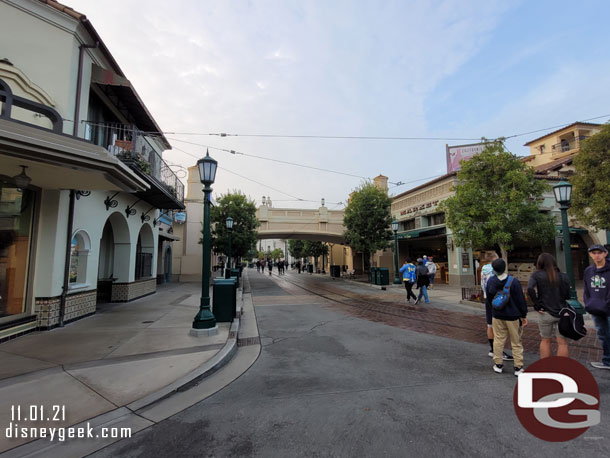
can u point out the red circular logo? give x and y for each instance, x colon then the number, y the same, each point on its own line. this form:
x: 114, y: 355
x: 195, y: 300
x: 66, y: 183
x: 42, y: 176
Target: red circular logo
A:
x: 557, y: 399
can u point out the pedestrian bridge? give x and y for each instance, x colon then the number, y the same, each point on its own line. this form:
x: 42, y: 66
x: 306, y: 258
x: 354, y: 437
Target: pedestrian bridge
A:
x: 289, y: 223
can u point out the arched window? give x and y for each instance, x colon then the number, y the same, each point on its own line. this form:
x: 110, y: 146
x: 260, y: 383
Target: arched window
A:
x: 79, y: 255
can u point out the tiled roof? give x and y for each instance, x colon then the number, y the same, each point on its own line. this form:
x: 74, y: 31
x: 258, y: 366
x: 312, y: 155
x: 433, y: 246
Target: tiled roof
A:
x: 564, y: 127
x: 555, y: 165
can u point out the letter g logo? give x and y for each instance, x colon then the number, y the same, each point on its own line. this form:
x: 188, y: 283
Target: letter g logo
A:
x: 557, y: 399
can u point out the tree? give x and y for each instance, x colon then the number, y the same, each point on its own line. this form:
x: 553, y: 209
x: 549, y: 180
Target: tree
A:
x: 276, y: 254
x: 367, y: 219
x: 315, y: 249
x: 496, y: 202
x: 591, y: 183
x: 296, y: 248
x: 243, y: 211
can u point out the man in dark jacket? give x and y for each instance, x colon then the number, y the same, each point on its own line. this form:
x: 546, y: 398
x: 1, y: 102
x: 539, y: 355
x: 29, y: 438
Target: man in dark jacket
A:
x: 423, y: 281
x: 509, y: 321
x: 597, y: 299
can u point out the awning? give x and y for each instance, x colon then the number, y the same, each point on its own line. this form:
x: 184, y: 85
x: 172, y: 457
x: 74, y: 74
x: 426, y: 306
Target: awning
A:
x: 423, y: 232
x: 573, y: 230
x: 125, y: 92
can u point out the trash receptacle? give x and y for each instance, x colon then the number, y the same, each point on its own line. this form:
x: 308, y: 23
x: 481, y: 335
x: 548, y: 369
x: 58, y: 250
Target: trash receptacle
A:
x: 335, y: 271
x: 236, y: 274
x: 224, y: 299
x: 384, y: 276
x: 310, y: 268
x: 373, y: 275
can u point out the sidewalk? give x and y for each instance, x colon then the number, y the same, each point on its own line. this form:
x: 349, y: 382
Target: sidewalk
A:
x: 125, y: 358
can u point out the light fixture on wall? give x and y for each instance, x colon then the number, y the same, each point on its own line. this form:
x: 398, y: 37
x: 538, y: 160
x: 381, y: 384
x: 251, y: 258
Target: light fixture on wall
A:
x: 22, y: 180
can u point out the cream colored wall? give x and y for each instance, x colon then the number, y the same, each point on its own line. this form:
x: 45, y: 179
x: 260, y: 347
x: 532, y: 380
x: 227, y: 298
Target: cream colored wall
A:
x: 549, y: 154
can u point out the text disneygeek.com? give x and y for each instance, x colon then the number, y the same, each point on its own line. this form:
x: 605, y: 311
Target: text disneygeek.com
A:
x: 60, y: 434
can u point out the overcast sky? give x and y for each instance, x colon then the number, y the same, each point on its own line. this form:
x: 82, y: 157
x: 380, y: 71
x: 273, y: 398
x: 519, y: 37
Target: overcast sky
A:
x: 459, y: 69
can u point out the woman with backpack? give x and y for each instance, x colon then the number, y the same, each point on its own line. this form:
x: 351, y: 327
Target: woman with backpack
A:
x: 549, y: 288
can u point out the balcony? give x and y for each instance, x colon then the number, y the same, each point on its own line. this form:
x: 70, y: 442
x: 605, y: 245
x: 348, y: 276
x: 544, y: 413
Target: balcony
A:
x: 566, y: 146
x: 135, y: 148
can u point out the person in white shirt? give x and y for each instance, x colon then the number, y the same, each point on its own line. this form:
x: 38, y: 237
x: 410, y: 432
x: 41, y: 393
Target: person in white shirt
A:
x: 431, y: 266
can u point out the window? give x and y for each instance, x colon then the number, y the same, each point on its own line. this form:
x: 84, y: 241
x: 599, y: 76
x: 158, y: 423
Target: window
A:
x: 409, y: 224
x: 79, y: 254
x: 436, y: 219
x: 542, y: 149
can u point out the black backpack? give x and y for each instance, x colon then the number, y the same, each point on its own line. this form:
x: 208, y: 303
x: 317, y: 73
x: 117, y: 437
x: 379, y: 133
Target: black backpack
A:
x: 571, y: 324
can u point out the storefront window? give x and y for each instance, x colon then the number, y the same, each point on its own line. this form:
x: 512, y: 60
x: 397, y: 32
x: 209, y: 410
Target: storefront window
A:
x: 15, y: 240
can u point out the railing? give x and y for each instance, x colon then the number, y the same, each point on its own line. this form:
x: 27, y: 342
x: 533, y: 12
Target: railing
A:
x: 475, y: 294
x: 567, y: 145
x: 134, y: 147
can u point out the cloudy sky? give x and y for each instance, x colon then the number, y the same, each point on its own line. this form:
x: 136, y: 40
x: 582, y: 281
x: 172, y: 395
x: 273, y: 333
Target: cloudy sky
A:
x: 454, y: 70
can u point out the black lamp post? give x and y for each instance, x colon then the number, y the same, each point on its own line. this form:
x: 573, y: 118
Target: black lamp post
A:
x: 205, y: 320
x: 229, y: 231
x: 563, y: 196
x: 395, y: 229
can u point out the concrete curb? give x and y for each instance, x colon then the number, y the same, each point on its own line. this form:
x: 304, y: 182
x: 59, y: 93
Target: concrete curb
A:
x: 128, y: 415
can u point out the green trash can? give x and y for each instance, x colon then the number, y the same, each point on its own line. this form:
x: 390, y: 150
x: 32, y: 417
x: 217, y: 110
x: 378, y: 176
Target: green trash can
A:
x: 224, y: 299
x: 236, y: 274
x: 384, y: 276
x: 373, y: 275
x: 335, y: 271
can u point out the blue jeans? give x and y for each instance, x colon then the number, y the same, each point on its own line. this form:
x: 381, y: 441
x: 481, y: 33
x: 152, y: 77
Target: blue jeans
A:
x: 603, y: 334
x: 423, y: 291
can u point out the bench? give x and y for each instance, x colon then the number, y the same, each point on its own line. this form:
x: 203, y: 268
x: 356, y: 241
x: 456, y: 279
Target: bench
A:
x: 349, y: 273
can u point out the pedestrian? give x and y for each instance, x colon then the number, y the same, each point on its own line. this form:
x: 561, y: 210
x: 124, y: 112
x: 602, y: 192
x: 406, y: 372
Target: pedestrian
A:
x: 298, y: 263
x: 425, y: 259
x: 508, y: 322
x: 423, y: 280
x: 486, y: 273
x: 270, y: 265
x: 408, y: 278
x: 548, y: 288
x: 597, y: 300
x: 258, y: 266
x: 432, y: 268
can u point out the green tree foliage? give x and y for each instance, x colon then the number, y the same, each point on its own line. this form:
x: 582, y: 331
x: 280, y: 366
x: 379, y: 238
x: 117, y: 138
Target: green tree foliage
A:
x: 496, y: 202
x: 296, y: 248
x: 243, y: 211
x: 368, y: 219
x: 591, y: 183
x: 314, y: 248
x: 276, y: 254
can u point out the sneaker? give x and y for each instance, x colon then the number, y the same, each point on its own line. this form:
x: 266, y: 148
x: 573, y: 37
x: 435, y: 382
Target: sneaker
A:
x: 600, y: 365
x: 416, y: 301
x: 498, y: 368
x: 518, y: 370
x: 506, y: 356
x: 490, y: 354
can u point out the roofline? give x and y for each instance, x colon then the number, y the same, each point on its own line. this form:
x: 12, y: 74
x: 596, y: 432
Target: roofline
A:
x: 102, y: 46
x: 559, y: 130
x: 428, y: 183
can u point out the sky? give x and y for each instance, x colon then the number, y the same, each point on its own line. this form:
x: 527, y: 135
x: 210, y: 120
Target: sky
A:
x: 454, y: 70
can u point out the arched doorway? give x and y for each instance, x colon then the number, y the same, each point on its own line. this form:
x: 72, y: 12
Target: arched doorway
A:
x: 144, y: 253
x: 114, y: 256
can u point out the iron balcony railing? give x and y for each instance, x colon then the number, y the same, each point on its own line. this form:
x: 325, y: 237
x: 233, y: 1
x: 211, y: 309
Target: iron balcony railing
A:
x: 135, y: 148
x: 568, y: 145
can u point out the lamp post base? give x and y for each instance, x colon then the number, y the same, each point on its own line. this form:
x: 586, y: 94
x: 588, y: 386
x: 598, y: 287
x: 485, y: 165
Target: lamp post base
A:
x: 203, y: 332
x: 397, y: 281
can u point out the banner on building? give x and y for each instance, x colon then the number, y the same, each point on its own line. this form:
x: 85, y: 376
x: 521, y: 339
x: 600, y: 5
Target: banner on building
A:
x: 458, y: 153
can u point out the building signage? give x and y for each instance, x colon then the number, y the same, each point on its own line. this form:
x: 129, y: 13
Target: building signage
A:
x: 419, y: 208
x: 180, y: 217
x: 458, y: 153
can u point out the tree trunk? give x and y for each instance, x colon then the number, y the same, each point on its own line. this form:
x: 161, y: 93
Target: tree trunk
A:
x: 504, y: 255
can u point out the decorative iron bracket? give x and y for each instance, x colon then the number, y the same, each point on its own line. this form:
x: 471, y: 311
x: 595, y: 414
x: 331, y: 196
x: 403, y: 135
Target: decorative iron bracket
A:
x: 145, y: 217
x: 110, y: 203
x: 79, y: 194
x: 129, y: 211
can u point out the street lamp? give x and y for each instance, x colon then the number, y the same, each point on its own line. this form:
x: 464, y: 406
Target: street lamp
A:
x: 395, y: 229
x: 563, y: 196
x: 204, y: 322
x: 229, y: 231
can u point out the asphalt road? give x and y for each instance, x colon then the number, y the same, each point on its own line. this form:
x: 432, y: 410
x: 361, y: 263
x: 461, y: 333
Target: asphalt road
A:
x: 328, y: 384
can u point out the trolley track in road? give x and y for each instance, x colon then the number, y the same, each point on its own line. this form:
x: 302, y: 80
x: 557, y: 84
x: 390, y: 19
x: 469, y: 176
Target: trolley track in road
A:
x: 430, y: 320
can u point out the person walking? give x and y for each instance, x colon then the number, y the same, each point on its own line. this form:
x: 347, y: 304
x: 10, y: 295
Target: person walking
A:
x: 432, y: 268
x: 258, y: 266
x: 597, y: 299
x: 270, y: 265
x: 508, y: 322
x: 408, y: 278
x: 486, y: 273
x: 549, y: 289
x: 423, y: 280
